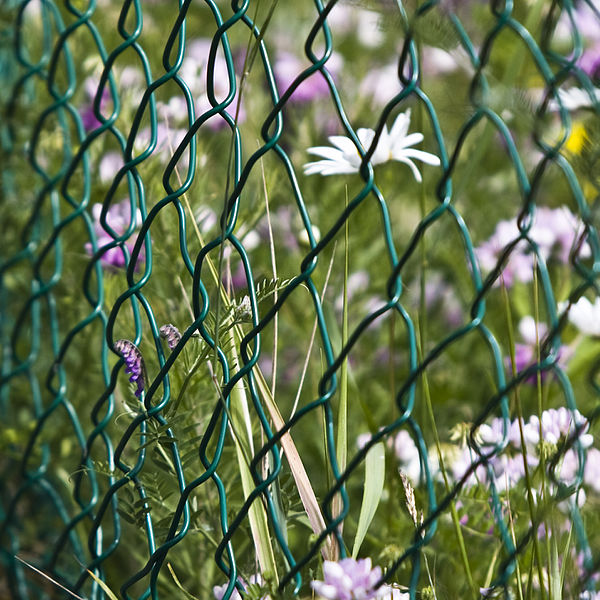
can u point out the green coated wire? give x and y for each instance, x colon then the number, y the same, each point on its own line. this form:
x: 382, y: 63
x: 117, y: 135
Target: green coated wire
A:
x: 34, y: 328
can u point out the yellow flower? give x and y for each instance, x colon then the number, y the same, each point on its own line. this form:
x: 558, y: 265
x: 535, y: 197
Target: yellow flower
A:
x: 575, y: 141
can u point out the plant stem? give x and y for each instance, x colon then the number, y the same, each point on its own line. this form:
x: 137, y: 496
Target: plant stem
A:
x: 455, y: 520
x: 342, y: 428
x: 519, y: 411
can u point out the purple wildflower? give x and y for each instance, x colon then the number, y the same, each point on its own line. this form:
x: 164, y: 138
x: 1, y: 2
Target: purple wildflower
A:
x: 554, y: 231
x: 585, y: 21
x: 490, y: 592
x: 591, y: 474
x: 134, y: 364
x: 167, y: 140
x: 381, y: 84
x: 351, y: 579
x: 460, y: 460
x: 347, y: 19
x: 520, y: 265
x: 219, y: 592
x: 589, y: 61
x: 526, y: 354
x: 440, y: 297
x: 237, y: 279
x: 118, y: 218
x: 194, y: 72
x: 405, y: 450
x: 88, y: 117
x: 288, y: 67
x: 109, y: 165
x: 557, y: 425
x: 171, y: 334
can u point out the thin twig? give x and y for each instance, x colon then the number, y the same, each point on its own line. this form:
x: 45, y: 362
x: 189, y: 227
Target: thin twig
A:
x: 46, y: 576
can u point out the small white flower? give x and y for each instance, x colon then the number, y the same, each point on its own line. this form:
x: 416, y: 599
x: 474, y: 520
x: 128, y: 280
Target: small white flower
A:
x: 586, y: 316
x: 574, y: 98
x: 532, y: 332
x: 392, y: 145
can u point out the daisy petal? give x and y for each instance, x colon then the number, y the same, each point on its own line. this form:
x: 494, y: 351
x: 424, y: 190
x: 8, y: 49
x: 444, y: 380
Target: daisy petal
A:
x: 409, y: 140
x: 366, y: 137
x: 327, y: 152
x: 413, y: 168
x: 328, y: 167
x: 346, y: 145
x: 400, y: 126
x: 426, y: 157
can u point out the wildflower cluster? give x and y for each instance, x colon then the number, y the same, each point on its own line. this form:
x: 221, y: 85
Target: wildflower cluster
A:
x: 508, y: 446
x: 554, y: 234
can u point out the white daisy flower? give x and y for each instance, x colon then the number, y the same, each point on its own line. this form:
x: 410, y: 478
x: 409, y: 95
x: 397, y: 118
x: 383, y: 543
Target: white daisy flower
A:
x: 392, y: 145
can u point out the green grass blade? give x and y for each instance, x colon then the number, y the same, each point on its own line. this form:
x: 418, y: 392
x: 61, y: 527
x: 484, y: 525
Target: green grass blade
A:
x: 374, y: 478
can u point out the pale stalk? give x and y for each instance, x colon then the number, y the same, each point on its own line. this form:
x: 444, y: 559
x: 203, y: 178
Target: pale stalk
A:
x: 305, y: 490
x: 244, y: 446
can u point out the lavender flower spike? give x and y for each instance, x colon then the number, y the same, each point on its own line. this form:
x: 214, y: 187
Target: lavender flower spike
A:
x: 171, y: 334
x: 351, y: 579
x: 134, y: 364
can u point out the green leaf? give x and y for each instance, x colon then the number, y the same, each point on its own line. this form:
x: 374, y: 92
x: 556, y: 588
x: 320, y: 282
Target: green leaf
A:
x: 374, y: 476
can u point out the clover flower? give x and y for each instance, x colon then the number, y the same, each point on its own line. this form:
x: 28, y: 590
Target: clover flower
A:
x: 554, y: 231
x: 134, y: 364
x: 351, y: 579
x: 507, y: 467
x: 393, y: 145
x: 219, y: 592
x: 556, y: 426
x: 591, y: 474
x: 404, y: 448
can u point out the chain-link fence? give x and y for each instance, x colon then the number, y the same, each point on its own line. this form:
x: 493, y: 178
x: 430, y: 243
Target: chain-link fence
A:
x: 158, y: 230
